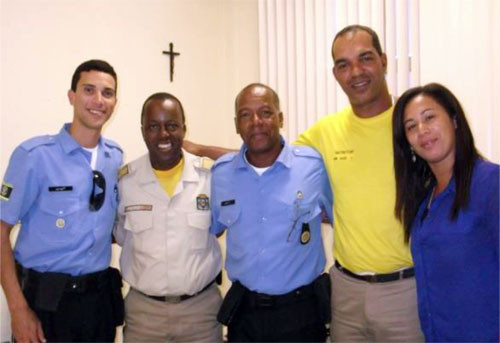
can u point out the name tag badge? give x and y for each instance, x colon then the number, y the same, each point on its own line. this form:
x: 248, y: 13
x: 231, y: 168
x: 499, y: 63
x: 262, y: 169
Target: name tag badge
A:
x: 60, y: 188
x: 132, y: 208
x: 228, y: 202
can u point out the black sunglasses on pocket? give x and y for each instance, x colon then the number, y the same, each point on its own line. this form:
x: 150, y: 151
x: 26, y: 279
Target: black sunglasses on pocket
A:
x: 97, y: 196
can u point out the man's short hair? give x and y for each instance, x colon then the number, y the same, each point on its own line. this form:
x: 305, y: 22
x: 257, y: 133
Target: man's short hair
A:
x: 162, y: 96
x: 256, y: 84
x: 97, y: 65
x: 354, y: 28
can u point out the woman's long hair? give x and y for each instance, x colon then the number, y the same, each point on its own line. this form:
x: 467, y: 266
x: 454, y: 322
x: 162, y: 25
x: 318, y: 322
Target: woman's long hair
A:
x: 415, y: 179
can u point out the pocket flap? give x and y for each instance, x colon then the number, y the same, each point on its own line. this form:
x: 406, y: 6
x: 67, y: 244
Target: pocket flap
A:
x: 138, y: 221
x: 59, y: 205
x: 229, y: 215
x: 199, y: 220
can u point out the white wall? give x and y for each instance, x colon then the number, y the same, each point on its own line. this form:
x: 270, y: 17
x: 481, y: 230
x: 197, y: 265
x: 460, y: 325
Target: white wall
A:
x: 43, y: 41
x: 460, y: 48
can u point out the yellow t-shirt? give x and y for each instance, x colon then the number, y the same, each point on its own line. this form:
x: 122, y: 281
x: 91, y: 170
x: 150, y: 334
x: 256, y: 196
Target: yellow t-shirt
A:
x: 358, y: 155
x: 169, y: 179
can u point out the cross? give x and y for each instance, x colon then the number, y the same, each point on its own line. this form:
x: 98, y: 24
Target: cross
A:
x: 172, y: 55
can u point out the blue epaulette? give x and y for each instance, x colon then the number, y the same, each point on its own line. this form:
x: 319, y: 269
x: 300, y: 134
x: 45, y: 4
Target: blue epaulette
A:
x: 224, y: 159
x: 35, y: 142
x: 305, y: 151
x: 112, y: 144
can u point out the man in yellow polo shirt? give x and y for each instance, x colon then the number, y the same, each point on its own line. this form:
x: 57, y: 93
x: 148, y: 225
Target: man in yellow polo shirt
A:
x: 373, y: 288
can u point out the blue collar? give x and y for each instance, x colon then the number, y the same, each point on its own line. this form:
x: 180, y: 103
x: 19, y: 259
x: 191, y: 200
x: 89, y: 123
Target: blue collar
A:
x: 68, y: 143
x: 284, y: 158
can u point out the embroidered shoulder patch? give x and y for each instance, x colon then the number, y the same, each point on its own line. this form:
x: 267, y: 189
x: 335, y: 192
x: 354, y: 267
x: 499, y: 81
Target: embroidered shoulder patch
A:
x: 6, y: 190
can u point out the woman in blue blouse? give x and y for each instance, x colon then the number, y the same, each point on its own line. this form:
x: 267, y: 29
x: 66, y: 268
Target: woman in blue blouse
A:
x: 447, y: 199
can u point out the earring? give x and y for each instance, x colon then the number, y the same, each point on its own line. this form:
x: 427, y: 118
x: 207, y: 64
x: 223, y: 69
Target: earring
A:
x: 413, y: 156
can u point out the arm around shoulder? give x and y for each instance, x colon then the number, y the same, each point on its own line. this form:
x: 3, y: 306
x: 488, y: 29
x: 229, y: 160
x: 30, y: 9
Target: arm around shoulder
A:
x: 212, y: 152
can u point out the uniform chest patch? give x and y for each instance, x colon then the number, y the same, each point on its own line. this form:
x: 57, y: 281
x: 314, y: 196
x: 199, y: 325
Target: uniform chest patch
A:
x: 202, y: 202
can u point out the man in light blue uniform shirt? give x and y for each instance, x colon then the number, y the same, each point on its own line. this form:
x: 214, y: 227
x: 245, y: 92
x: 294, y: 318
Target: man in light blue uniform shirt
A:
x: 62, y: 189
x: 269, y: 197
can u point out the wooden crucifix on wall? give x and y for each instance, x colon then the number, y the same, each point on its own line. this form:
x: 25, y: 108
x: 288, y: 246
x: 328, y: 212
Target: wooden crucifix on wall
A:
x: 172, y: 55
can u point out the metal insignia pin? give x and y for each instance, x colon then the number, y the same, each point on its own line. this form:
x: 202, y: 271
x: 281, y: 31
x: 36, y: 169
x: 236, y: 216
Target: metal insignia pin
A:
x: 305, y: 234
x: 305, y: 237
x: 60, y: 223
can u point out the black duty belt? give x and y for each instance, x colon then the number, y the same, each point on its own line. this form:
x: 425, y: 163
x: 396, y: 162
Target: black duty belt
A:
x: 399, y: 275
x: 255, y: 299
x: 174, y: 299
x: 72, y: 284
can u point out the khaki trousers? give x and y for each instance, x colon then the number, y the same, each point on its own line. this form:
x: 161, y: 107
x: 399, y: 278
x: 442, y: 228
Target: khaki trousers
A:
x: 373, y: 312
x: 191, y: 320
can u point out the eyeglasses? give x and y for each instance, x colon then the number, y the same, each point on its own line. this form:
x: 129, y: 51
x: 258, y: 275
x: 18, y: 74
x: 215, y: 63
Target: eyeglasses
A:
x: 97, y: 199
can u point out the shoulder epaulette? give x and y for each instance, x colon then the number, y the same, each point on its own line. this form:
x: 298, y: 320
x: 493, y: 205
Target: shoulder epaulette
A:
x: 204, y: 163
x: 112, y: 144
x: 34, y: 142
x: 224, y: 159
x: 124, y: 170
x: 305, y: 151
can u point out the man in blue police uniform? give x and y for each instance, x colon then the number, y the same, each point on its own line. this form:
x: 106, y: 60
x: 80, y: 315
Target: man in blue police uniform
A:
x: 269, y: 197
x: 62, y: 190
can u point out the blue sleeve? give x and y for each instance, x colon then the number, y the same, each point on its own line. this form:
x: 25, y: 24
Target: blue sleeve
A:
x: 21, y: 178
x: 215, y: 228
x: 326, y: 194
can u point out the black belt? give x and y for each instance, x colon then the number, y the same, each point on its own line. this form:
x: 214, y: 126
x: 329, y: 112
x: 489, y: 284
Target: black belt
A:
x: 174, y: 299
x: 73, y: 284
x: 399, y: 275
x: 255, y: 299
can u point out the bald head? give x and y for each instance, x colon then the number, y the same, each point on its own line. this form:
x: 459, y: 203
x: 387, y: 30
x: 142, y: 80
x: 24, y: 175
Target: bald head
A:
x: 258, y: 89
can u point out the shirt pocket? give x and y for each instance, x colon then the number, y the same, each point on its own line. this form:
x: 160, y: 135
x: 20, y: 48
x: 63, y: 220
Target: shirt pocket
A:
x: 303, y: 214
x: 59, y: 217
x: 229, y: 215
x: 142, y: 236
x: 199, y: 225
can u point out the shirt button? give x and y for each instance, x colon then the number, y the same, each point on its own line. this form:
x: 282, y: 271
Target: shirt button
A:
x: 264, y: 219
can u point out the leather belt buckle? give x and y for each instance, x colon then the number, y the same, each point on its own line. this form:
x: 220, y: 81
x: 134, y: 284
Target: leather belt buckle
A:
x: 174, y: 299
x: 371, y: 278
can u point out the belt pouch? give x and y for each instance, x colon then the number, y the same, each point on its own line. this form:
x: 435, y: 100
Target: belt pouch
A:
x: 49, y: 290
x: 117, y: 303
x: 231, y: 303
x: 322, y: 290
